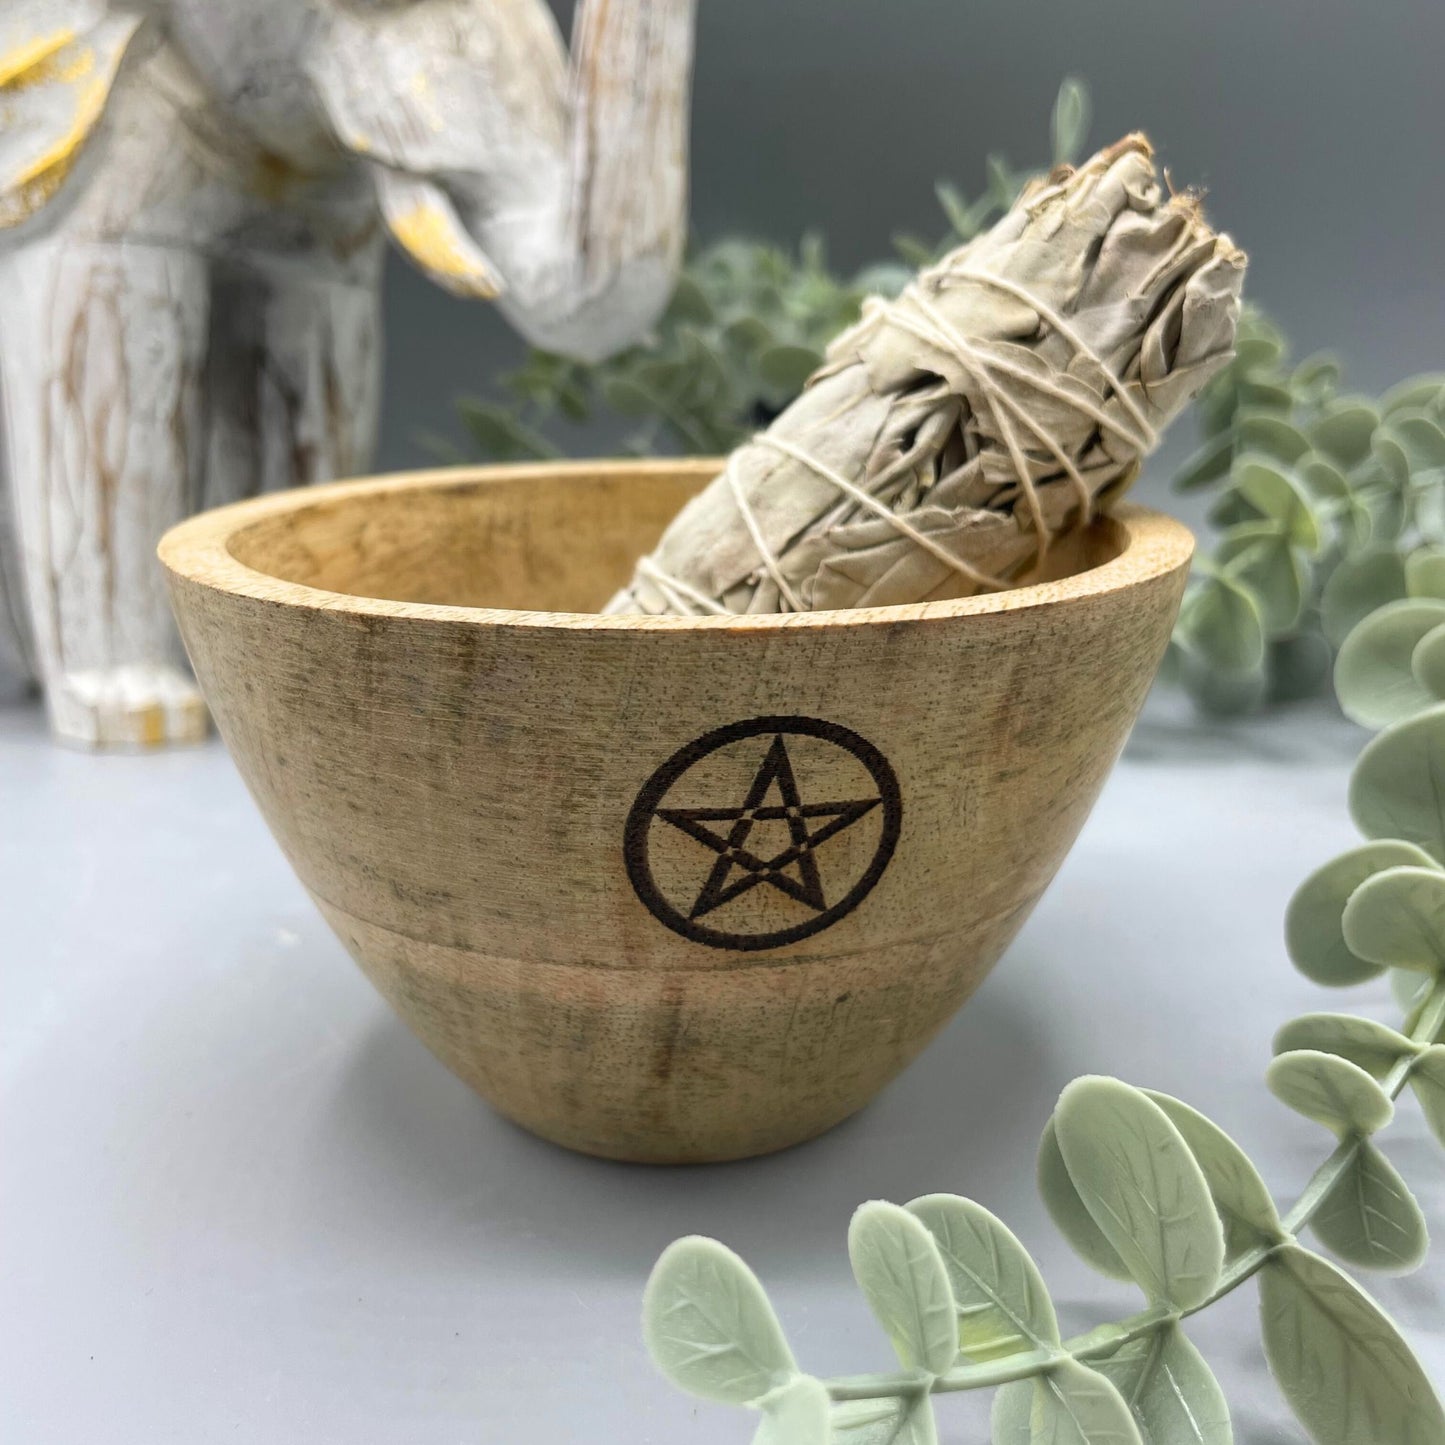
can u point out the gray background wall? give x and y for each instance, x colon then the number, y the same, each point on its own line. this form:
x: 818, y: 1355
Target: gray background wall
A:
x: 1318, y: 127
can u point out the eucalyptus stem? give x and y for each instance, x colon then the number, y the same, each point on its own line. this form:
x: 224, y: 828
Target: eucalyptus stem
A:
x: 1429, y: 1022
x: 1106, y: 1339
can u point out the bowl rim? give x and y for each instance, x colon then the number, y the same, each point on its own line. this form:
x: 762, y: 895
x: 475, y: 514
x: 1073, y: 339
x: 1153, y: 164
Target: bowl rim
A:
x: 197, y: 550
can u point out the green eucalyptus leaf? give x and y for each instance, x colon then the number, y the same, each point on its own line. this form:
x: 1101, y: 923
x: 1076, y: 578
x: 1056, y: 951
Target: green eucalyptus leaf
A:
x: 1397, y: 789
x: 954, y: 205
x: 1397, y: 918
x: 1003, y: 1306
x: 1355, y: 527
x: 1003, y: 185
x: 1142, y: 1185
x: 1427, y: 1078
x: 1373, y: 676
x: 1371, y: 1046
x: 788, y: 367
x: 797, y: 1413
x: 897, y: 1420
x: 1069, y: 125
x: 1259, y: 393
x: 1068, y: 1212
x: 1171, y: 1390
x: 1322, y: 479
x: 1232, y: 508
x: 1245, y: 1207
x: 1270, y: 434
x: 1316, y: 378
x: 1219, y: 400
x: 1416, y: 393
x: 689, y: 301
x: 573, y: 403
x: 1207, y: 465
x: 1369, y: 1218
x: 913, y: 251
x: 1340, y: 1360
x: 1313, y: 928
x: 1217, y: 692
x: 1260, y: 557
x: 903, y: 1277
x: 1430, y: 510
x: 1330, y: 1090
x: 751, y: 333
x: 709, y: 1327
x: 1069, y: 1405
x: 1410, y: 990
x: 1345, y: 429
x: 1425, y: 572
x: 628, y: 397
x: 1274, y: 492
x: 1222, y: 624
x: 883, y: 278
x: 1420, y: 436
x: 1427, y: 663
x: 1298, y: 666
x: 501, y: 436
x: 1260, y: 345
x: 1389, y: 463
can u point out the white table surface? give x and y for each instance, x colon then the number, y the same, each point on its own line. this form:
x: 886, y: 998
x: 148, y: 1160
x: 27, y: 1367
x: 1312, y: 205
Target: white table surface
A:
x: 240, y: 1203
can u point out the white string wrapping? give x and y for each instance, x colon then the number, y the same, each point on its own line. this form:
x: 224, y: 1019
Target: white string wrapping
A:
x: 1004, y: 396
x: 936, y: 330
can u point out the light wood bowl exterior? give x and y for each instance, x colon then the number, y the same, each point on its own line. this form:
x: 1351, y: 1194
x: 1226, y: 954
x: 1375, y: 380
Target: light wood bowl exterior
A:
x: 456, y: 757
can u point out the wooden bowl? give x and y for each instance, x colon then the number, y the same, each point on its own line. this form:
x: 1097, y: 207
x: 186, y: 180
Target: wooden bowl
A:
x: 660, y: 889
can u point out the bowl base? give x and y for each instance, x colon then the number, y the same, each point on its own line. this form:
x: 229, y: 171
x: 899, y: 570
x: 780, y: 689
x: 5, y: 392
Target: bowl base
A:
x: 555, y: 1047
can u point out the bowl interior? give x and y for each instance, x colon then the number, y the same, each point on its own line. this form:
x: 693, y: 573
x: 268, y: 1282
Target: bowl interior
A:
x: 561, y: 540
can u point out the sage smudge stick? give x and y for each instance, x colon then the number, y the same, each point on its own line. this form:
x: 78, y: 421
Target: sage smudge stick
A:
x: 1006, y: 396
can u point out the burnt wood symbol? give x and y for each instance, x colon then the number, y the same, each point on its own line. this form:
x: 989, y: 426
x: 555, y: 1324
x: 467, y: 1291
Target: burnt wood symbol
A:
x: 730, y: 833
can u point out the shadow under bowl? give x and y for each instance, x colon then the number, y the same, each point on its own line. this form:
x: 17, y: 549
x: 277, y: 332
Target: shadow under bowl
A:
x: 662, y: 889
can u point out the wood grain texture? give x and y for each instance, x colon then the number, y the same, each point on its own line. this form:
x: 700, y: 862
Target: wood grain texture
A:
x: 447, y: 745
x: 193, y: 202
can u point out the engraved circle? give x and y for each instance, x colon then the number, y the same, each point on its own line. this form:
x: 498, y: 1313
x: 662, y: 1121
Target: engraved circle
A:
x: 708, y: 804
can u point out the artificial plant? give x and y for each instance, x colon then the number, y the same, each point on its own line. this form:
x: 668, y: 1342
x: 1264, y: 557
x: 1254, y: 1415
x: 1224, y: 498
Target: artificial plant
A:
x: 1322, y: 495
x: 1147, y: 1189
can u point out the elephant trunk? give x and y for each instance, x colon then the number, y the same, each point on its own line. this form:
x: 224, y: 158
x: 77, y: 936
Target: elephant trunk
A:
x: 506, y: 167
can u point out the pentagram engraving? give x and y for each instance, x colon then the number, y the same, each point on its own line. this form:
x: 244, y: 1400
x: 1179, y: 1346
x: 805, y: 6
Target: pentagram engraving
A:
x: 745, y: 822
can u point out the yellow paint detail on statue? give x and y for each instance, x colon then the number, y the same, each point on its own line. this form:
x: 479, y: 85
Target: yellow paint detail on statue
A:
x: 429, y: 235
x: 60, y: 156
x: 72, y: 63
x: 27, y: 63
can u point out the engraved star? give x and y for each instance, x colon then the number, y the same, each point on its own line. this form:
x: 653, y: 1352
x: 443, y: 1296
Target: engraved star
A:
x: 794, y: 871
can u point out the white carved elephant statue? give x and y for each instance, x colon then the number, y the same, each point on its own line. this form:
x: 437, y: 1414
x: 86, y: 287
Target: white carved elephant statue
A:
x: 194, y: 198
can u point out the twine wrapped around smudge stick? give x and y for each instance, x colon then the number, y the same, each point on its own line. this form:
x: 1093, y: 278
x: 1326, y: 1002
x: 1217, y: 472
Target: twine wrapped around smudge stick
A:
x: 1006, y: 396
